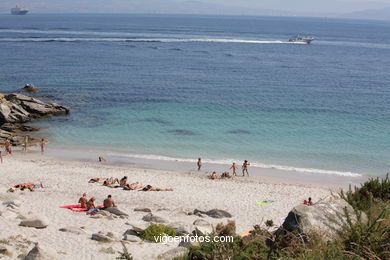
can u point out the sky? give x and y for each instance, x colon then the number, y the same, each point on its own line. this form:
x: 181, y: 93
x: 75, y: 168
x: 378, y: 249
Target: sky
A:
x: 243, y: 7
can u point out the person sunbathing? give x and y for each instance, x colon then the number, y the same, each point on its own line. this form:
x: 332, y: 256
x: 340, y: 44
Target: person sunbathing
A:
x: 225, y: 175
x: 213, y: 176
x: 308, y: 202
x: 93, y: 180
x: 83, y: 201
x: 110, y: 182
x: 30, y: 186
x: 109, y: 202
x: 91, y: 206
x: 133, y: 186
x: 151, y: 188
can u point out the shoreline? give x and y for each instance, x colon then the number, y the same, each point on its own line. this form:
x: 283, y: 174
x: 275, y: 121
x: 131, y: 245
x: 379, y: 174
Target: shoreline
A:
x: 67, y: 179
x: 118, y: 157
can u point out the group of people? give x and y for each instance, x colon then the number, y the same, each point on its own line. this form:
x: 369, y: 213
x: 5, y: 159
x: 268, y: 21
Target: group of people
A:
x: 226, y: 174
x: 89, y: 205
x: 26, y: 186
x: 123, y: 183
x: 8, y: 146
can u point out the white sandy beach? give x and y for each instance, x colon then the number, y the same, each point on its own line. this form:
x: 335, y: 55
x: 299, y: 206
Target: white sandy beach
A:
x: 67, y: 180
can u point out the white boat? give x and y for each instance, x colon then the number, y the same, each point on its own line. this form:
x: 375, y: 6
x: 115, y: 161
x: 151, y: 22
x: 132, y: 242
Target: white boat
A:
x: 298, y: 38
x: 18, y: 10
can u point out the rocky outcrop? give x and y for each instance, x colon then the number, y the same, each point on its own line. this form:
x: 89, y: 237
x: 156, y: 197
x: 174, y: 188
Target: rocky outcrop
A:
x: 30, y: 88
x: 326, y: 216
x: 214, y: 213
x: 17, y: 109
x: 35, y: 222
x: 154, y: 218
x: 202, y: 227
x: 41, y: 253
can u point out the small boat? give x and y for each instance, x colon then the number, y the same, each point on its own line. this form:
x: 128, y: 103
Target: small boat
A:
x: 18, y: 10
x: 301, y: 39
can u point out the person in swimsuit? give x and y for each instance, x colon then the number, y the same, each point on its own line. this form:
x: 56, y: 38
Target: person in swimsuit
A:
x: 109, y: 202
x: 110, y: 182
x: 225, y: 175
x: 234, y: 168
x: 7, y: 146
x: 151, y: 188
x: 245, y: 168
x: 43, y: 143
x: 308, y: 202
x: 83, y: 201
x: 26, y: 138
x: 93, y: 180
x: 199, y: 163
x: 29, y: 185
x: 213, y: 176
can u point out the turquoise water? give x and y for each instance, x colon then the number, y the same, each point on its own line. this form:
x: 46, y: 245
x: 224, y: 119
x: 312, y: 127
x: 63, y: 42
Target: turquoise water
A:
x: 222, y: 88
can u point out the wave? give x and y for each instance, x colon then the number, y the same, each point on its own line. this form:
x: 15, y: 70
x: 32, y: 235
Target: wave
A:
x: 102, y: 39
x: 229, y: 162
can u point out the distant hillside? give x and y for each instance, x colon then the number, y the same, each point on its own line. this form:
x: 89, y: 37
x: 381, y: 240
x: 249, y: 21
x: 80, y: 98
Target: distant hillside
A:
x: 378, y: 14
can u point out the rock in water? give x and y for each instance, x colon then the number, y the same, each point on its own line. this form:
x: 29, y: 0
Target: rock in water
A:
x: 34, y: 222
x: 41, y: 253
x: 154, y: 218
x: 30, y: 88
x: 323, y: 216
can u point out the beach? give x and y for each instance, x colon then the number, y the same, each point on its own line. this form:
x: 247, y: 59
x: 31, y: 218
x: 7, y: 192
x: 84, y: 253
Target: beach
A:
x: 66, y: 180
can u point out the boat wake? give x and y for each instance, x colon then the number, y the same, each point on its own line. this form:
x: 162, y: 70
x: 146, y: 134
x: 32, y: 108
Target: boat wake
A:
x: 82, y: 39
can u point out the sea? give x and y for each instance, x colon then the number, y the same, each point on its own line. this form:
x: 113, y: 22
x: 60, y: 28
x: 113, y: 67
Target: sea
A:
x: 223, y: 88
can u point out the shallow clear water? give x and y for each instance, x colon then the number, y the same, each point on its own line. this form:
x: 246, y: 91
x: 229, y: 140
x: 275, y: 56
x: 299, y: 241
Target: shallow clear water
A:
x: 223, y: 88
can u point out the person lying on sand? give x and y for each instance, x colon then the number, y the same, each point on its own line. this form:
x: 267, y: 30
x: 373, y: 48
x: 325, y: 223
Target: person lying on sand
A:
x: 93, y: 180
x: 133, y: 186
x: 109, y: 202
x: 213, y: 176
x: 110, y: 182
x: 83, y: 201
x: 30, y: 186
x: 225, y: 175
x: 151, y: 188
x: 308, y: 202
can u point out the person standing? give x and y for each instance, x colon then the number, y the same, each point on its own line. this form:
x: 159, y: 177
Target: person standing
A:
x: 1, y: 156
x: 43, y: 142
x: 199, y: 163
x: 7, y: 145
x: 245, y: 168
x: 234, y: 168
x: 26, y: 137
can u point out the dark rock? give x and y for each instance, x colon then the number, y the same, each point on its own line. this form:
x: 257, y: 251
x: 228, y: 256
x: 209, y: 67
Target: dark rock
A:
x: 154, y: 218
x: 30, y: 88
x: 214, y: 213
x: 143, y: 210
x: 116, y: 211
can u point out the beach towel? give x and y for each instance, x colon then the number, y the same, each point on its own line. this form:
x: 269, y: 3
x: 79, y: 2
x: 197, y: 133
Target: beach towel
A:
x: 264, y: 202
x: 77, y: 208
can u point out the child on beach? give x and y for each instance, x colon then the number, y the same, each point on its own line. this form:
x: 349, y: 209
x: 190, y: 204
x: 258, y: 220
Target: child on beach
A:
x: 234, y: 168
x: 245, y: 168
x: 213, y: 176
x: 199, y: 163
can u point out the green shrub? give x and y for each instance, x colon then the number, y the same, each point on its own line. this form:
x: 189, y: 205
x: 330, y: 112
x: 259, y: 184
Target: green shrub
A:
x: 158, y: 230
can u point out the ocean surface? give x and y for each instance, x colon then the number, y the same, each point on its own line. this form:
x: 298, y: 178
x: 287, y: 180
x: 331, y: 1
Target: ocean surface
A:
x: 224, y: 88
